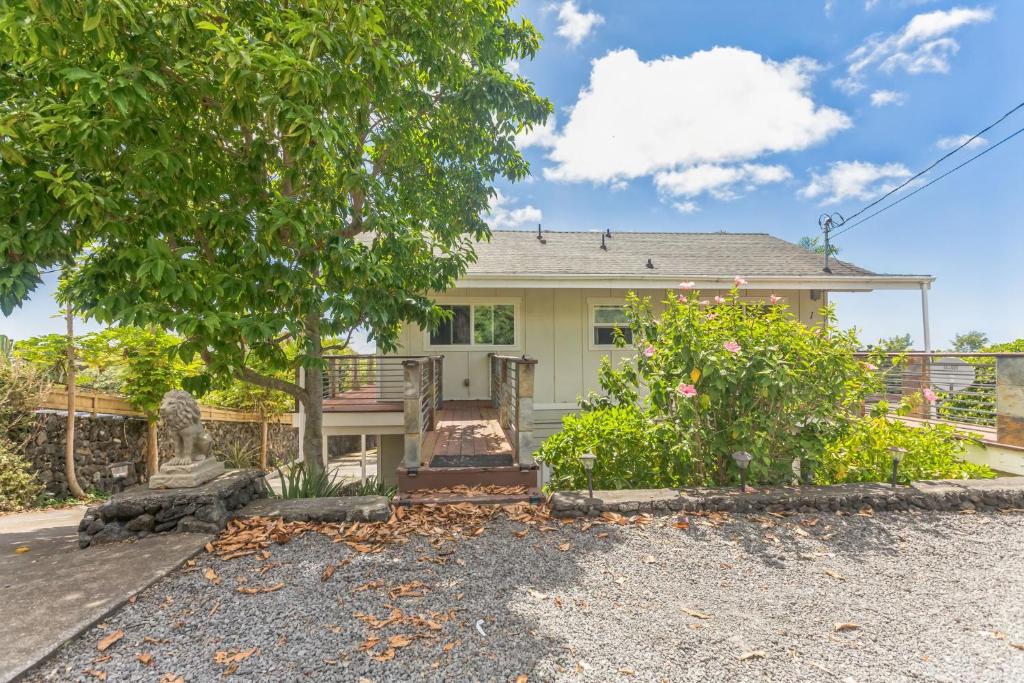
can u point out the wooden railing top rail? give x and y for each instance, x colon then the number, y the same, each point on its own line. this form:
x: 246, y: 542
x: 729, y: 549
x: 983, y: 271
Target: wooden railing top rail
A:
x: 111, y: 404
x: 524, y: 359
x: 947, y: 354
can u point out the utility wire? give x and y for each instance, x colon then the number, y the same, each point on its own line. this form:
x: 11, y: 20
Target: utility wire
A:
x: 938, y: 161
x: 850, y: 226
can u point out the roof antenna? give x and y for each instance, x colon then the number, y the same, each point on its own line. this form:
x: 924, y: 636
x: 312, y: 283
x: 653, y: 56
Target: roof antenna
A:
x: 603, y: 245
x: 539, y: 236
x: 827, y: 222
x: 608, y: 233
x: 650, y: 263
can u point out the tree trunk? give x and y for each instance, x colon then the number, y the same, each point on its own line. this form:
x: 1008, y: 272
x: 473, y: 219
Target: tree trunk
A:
x: 152, y: 450
x: 264, y: 429
x: 69, y: 449
x: 312, y: 442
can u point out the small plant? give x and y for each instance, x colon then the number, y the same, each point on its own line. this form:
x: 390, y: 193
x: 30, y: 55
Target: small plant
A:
x: 19, y: 487
x: 239, y: 456
x: 373, y: 486
x: 300, y: 482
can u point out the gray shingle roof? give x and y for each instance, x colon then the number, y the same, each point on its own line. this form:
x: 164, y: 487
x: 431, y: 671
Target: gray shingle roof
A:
x: 674, y: 254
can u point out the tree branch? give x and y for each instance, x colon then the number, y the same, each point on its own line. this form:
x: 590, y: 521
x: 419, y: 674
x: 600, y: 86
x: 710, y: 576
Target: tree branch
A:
x: 266, y: 381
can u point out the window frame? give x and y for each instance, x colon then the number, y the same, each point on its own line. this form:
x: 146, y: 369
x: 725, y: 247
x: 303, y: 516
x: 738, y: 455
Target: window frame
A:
x: 592, y: 306
x: 473, y: 302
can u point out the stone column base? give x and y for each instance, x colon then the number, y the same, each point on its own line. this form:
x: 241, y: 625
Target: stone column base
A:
x: 186, y: 476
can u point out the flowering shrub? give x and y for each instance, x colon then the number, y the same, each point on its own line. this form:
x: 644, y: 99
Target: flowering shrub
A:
x: 712, y: 378
x: 862, y: 454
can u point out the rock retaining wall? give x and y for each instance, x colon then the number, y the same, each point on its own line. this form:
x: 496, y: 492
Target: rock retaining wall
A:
x: 139, y: 511
x: 951, y: 495
x: 104, y: 439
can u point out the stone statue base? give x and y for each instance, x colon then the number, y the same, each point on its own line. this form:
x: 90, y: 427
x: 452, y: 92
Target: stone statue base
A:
x: 186, y: 476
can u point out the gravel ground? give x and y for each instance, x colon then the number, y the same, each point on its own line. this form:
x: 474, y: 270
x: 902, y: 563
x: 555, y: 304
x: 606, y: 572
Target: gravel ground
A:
x: 934, y: 597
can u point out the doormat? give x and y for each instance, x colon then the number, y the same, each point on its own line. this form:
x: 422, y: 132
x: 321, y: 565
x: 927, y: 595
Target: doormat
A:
x: 489, y: 460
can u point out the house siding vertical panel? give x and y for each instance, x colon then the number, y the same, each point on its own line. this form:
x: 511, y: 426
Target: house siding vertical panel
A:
x: 568, y: 341
x: 540, y: 341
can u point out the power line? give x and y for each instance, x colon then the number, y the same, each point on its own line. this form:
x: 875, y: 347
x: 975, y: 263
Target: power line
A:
x: 914, y: 177
x: 931, y: 182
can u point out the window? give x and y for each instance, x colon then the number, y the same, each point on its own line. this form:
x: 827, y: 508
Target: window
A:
x: 606, y: 319
x: 491, y: 325
x: 454, y: 330
x: 494, y: 325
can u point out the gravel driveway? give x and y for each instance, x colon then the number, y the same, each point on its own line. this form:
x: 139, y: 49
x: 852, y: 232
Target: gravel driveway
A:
x: 891, y: 597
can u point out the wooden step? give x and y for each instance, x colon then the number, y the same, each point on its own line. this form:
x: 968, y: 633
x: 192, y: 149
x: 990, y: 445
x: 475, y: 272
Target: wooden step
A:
x: 444, y: 477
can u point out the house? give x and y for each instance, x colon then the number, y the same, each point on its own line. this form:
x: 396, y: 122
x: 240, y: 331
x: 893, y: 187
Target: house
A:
x: 530, y: 322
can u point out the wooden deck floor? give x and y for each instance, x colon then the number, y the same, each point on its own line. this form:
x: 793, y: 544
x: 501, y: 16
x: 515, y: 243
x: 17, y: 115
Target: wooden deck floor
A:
x: 362, y: 400
x: 466, y: 428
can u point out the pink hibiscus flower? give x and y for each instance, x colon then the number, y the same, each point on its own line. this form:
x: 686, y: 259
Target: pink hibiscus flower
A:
x: 774, y: 299
x: 687, y: 285
x: 704, y: 302
x: 739, y: 281
x: 929, y: 395
x: 871, y: 367
x: 649, y: 351
x: 687, y: 390
x: 719, y: 299
x: 711, y: 316
x: 731, y: 347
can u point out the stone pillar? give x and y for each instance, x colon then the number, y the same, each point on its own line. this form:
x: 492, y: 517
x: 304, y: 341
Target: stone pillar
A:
x: 413, y: 415
x: 524, y: 415
x: 1010, y: 401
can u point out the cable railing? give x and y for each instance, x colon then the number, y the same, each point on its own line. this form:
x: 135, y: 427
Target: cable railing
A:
x: 958, y: 388
x: 369, y: 383
x: 511, y: 386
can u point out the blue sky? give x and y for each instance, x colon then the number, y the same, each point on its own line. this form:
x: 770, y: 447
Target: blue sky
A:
x: 757, y: 116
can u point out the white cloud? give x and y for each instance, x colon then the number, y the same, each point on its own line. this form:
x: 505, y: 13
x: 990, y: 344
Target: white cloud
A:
x: 538, y: 136
x: 881, y: 98
x: 922, y: 46
x: 721, y: 182
x: 502, y: 216
x: 854, y: 180
x: 954, y: 142
x: 685, y: 207
x: 574, y: 25
x: 718, y: 106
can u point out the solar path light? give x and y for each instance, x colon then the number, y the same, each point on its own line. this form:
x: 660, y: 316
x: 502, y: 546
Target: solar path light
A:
x: 742, y: 459
x: 588, y: 465
x: 897, y: 458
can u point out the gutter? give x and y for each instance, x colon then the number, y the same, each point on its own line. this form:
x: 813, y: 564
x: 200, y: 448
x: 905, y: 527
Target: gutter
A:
x: 830, y: 283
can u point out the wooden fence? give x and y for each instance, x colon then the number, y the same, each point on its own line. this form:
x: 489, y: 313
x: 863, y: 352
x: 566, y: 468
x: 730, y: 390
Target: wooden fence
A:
x: 110, y: 404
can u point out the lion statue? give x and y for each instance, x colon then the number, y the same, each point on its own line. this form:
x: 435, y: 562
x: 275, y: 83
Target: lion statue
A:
x: 180, y: 414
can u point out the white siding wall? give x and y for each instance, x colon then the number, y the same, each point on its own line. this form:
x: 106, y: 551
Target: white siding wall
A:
x: 553, y: 326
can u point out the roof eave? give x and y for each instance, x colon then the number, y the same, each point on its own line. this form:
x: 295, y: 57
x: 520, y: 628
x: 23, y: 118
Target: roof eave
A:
x: 831, y: 283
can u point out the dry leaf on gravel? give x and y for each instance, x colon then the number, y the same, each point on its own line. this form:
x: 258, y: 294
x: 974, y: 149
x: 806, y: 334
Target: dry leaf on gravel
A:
x: 98, y: 675
x: 835, y: 575
x: 800, y: 532
x: 846, y: 626
x: 368, y: 586
x: 627, y: 672
x: 101, y: 659
x: 109, y: 640
x: 234, y: 656
x: 253, y: 590
x: 145, y: 658
x: 210, y: 575
x: 369, y: 643
x: 753, y: 654
x: 21, y: 550
x: 521, y: 534
x: 522, y: 678
x: 400, y: 640
x: 682, y: 524
x: 695, y: 613
x: 413, y: 589
x: 1019, y: 646
x: 327, y: 573
x: 385, y: 656
x: 171, y: 678
x: 603, y: 535
x: 564, y: 547
x: 810, y: 521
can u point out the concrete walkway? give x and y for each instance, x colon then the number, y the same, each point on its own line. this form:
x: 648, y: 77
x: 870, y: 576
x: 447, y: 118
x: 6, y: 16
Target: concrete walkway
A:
x: 347, y: 466
x: 53, y: 591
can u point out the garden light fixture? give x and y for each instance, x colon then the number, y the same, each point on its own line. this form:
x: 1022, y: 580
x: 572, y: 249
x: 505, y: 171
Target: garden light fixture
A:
x: 588, y: 465
x: 897, y: 457
x: 742, y: 459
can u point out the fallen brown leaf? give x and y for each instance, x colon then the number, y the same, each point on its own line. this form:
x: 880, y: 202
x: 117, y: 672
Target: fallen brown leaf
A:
x: 145, y: 658
x: 109, y: 640
x: 327, y: 573
x: 846, y: 626
x: 682, y: 524
x: 98, y: 675
x: 385, y: 656
x: 522, y: 678
x: 171, y: 678
x: 695, y: 613
x: 835, y: 575
x: 564, y: 546
x: 210, y: 575
x: 1019, y: 646
x: 260, y: 589
x: 754, y: 654
x: 400, y: 640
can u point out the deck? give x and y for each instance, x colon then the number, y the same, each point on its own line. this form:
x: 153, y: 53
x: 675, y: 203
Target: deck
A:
x: 467, y: 434
x: 365, y: 399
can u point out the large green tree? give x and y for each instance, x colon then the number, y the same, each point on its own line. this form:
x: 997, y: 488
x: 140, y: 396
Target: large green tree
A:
x: 248, y: 172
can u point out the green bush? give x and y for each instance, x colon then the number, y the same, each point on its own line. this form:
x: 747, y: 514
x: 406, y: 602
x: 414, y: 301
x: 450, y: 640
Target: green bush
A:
x: 712, y: 377
x: 371, y: 487
x: 19, y: 487
x: 628, y: 453
x: 862, y: 454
